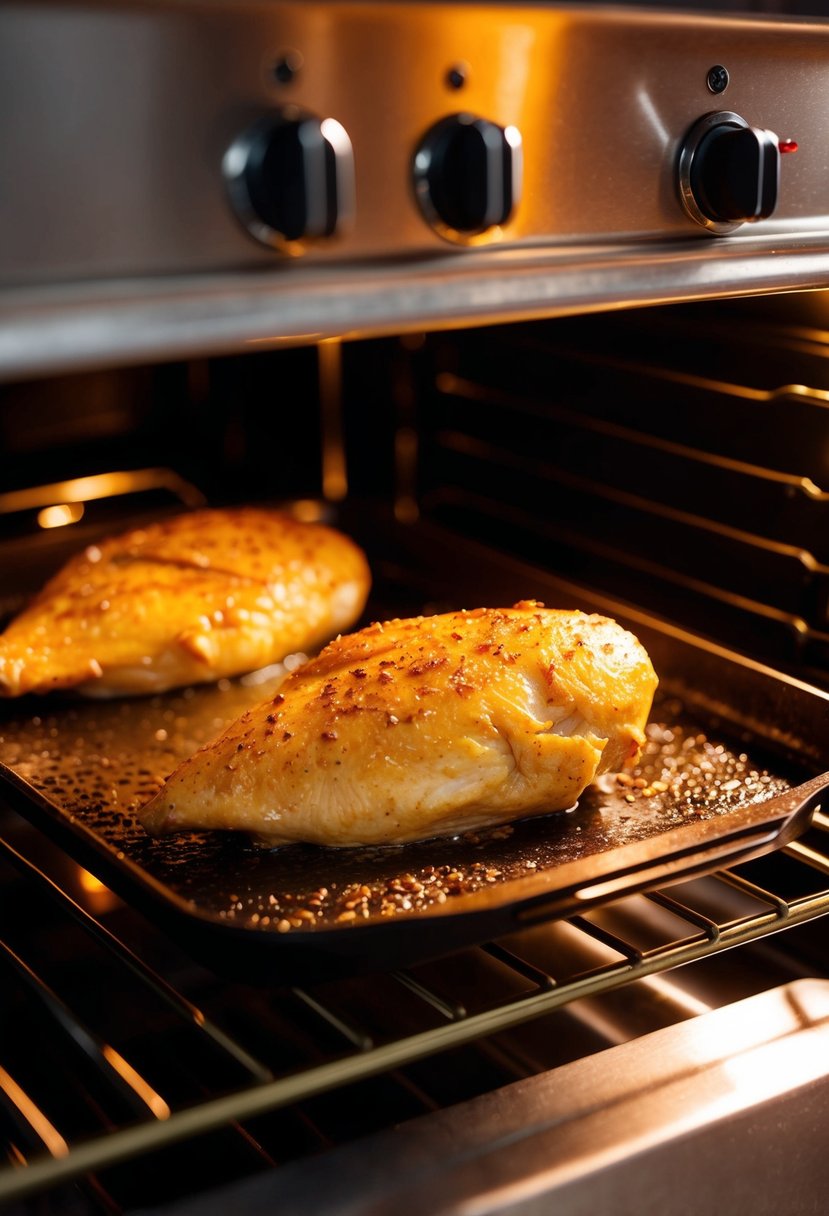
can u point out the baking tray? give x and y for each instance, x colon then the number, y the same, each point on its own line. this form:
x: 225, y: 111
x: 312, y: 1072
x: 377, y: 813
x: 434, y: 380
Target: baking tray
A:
x: 724, y: 735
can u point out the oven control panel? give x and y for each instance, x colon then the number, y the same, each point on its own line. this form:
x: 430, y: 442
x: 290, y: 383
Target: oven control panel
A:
x: 146, y: 137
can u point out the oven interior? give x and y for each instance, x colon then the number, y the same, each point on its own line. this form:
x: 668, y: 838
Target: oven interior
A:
x: 671, y: 461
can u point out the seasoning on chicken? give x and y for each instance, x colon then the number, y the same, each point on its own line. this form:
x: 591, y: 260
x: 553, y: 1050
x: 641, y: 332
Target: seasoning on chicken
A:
x: 199, y: 596
x: 427, y: 727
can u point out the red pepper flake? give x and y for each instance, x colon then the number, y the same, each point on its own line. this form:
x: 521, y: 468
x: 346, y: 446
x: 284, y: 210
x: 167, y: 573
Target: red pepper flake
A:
x: 286, y: 735
x: 418, y: 669
x: 359, y: 673
x: 329, y: 736
x: 385, y: 677
x: 279, y: 699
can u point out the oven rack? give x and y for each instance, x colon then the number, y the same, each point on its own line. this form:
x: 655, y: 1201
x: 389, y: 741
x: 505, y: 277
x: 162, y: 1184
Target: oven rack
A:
x: 45, y: 1156
x: 701, y: 494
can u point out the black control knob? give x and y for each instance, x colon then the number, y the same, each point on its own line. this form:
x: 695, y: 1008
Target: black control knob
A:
x: 468, y: 175
x: 729, y: 172
x: 291, y: 178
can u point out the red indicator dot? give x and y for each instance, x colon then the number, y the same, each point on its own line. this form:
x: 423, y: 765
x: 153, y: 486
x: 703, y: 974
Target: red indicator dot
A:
x: 787, y: 145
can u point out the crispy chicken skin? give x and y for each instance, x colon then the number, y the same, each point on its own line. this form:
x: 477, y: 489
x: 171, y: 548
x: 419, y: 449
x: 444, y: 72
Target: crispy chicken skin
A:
x: 199, y: 596
x: 426, y: 727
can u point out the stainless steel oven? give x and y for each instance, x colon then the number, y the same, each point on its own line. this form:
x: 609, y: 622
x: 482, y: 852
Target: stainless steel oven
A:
x: 527, y: 299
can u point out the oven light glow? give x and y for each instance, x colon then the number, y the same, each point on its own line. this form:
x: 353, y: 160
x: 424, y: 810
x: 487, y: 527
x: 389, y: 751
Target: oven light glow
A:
x: 91, y: 884
x: 137, y: 1083
x: 60, y: 515
x: 98, y: 898
x: 33, y: 1115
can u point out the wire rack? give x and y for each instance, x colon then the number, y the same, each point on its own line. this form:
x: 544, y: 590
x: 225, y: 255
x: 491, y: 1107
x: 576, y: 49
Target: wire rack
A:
x: 791, y: 888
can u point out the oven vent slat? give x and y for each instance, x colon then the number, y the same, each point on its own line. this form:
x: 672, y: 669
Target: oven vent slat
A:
x: 652, y: 457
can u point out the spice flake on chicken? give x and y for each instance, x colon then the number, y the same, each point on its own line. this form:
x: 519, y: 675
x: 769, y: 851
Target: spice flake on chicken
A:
x: 424, y: 727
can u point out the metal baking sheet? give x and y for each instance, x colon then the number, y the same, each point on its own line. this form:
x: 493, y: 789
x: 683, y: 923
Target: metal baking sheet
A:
x: 80, y: 770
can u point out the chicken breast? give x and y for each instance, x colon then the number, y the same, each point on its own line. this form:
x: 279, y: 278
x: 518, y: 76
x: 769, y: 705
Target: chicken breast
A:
x: 425, y: 727
x: 199, y: 596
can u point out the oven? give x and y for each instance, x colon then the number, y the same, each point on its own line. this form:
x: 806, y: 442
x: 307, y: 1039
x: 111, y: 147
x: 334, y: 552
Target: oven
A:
x: 527, y: 300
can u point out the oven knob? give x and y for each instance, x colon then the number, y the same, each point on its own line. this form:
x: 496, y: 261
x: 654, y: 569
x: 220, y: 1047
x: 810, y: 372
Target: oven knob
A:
x: 291, y: 178
x: 729, y: 172
x: 467, y: 175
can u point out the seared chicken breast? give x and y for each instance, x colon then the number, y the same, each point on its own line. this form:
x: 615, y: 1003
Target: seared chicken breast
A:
x: 417, y: 728
x: 199, y: 596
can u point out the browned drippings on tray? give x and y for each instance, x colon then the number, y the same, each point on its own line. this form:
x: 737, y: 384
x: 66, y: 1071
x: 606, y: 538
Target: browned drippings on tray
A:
x: 96, y: 764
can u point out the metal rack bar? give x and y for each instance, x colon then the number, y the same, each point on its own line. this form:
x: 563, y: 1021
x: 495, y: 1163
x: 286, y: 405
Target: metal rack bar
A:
x: 453, y: 1010
x: 542, y: 979
x: 709, y: 927
x: 781, y: 907
x: 29, y: 1115
x: 352, y: 1034
x: 371, y: 1061
x: 137, y: 1094
x: 186, y: 1009
x: 811, y: 857
x: 632, y: 953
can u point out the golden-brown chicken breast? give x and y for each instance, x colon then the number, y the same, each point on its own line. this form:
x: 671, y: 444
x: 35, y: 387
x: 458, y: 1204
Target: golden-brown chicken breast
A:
x: 425, y: 727
x: 197, y: 597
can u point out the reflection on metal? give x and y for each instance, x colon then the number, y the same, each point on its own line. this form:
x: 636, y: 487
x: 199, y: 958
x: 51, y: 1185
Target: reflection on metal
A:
x: 334, y: 475
x: 96, y: 895
x: 406, y: 438
x: 449, y: 383
x: 548, y: 532
x: 60, y: 515
x: 50, y: 328
x: 34, y: 1117
x: 90, y: 489
x: 136, y: 1082
x: 406, y: 510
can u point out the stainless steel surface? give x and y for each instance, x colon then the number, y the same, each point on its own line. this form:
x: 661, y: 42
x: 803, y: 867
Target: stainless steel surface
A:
x: 74, y: 326
x: 118, y: 238
x: 123, y: 113
x: 677, y: 1122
